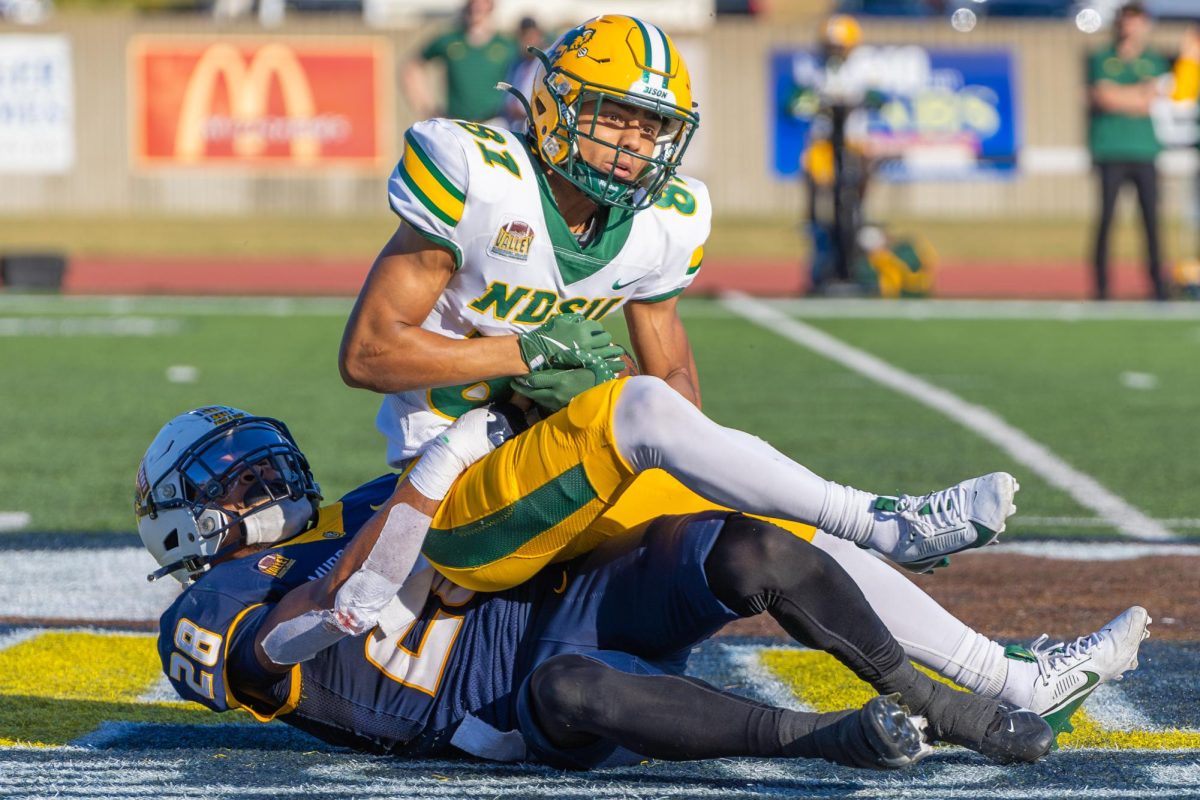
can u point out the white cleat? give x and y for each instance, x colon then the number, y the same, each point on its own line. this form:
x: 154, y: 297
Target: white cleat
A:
x: 1069, y: 673
x: 967, y: 515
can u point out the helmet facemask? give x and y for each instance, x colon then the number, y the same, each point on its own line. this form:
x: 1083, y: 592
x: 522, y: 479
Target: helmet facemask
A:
x: 575, y: 97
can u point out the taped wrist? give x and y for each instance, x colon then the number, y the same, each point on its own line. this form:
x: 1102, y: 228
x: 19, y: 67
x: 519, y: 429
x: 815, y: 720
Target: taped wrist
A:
x: 471, y: 437
x: 366, y: 593
x: 300, y: 638
x: 361, y: 599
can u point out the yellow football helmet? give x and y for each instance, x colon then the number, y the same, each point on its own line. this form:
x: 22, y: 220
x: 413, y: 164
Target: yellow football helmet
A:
x: 615, y: 58
x: 841, y: 31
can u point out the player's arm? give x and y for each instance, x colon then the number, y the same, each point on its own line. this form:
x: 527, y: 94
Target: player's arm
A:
x: 299, y: 624
x: 661, y: 345
x: 414, y: 78
x: 1129, y: 99
x: 384, y: 348
x: 349, y: 599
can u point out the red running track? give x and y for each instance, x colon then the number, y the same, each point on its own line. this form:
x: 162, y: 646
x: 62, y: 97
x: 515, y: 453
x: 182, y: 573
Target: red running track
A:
x: 280, y: 276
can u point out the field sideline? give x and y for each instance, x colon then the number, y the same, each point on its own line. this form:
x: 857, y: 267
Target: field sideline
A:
x: 867, y: 393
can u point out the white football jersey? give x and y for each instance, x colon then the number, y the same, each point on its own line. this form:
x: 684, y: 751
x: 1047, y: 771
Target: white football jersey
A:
x: 481, y: 193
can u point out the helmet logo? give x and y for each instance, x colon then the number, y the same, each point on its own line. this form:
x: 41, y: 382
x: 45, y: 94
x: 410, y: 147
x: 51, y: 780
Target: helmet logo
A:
x: 577, y: 40
x: 219, y: 415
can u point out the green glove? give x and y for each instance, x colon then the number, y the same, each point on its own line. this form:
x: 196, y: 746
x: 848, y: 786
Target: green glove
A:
x: 552, y: 389
x: 564, y: 341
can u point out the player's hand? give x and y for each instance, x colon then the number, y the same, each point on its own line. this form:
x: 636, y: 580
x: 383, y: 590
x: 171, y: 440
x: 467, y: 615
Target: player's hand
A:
x: 468, y: 439
x: 565, y: 342
x: 552, y: 389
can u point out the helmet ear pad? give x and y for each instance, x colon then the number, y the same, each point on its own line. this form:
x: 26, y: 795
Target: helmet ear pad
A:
x: 173, y: 535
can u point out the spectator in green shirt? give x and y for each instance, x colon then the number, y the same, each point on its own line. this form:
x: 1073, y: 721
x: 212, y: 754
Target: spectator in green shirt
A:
x: 1123, y: 81
x: 476, y: 58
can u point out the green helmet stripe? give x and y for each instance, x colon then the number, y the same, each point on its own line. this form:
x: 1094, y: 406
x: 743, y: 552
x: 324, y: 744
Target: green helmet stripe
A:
x: 658, y: 51
x: 648, y: 58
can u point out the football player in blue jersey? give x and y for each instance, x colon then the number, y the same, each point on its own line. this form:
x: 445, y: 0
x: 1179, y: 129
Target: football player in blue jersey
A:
x: 328, y: 619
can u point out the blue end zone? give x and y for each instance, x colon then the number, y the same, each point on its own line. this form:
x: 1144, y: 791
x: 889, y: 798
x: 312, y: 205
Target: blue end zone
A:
x: 1164, y: 685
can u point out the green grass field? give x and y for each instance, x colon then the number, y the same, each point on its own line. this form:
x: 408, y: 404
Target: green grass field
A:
x: 962, y: 241
x: 86, y: 387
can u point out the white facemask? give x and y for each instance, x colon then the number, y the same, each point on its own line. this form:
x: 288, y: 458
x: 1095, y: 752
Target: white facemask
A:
x: 277, y: 522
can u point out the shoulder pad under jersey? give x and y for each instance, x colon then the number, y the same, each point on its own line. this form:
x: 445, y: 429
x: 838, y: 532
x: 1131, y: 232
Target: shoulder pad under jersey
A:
x: 684, y: 215
x: 428, y: 187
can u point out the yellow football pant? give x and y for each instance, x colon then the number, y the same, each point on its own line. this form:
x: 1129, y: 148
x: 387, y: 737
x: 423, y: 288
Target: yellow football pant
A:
x: 550, y: 494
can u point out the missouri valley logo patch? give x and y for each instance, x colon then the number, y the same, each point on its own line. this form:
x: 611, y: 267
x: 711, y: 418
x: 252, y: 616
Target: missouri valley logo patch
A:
x: 512, y: 241
x: 275, y: 565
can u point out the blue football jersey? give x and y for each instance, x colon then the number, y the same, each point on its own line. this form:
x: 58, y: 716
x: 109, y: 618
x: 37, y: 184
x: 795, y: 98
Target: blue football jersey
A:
x: 405, y: 691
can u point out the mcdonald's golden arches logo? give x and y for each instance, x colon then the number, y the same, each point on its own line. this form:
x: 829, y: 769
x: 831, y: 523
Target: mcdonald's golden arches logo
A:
x: 298, y: 102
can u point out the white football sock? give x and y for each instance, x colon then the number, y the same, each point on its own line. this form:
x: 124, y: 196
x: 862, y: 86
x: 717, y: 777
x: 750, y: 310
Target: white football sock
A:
x: 655, y: 427
x: 1019, y: 683
x: 929, y: 634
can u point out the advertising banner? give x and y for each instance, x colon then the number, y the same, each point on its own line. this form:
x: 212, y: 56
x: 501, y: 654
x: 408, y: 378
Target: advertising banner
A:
x: 37, y: 104
x: 306, y: 103
x: 920, y: 114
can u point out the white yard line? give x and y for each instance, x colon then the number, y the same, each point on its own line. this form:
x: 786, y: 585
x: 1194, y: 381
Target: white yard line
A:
x: 1177, y: 523
x: 77, y: 305
x: 1085, y: 489
x: 978, y: 310
x: 1091, y: 551
x: 94, y: 584
x: 14, y: 520
x: 744, y: 662
x: 74, y: 326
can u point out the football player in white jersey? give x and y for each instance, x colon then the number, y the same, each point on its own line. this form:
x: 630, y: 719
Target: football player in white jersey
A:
x: 511, y: 249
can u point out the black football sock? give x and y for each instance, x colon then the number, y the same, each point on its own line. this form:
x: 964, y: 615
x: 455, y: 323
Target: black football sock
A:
x: 755, y: 566
x: 953, y: 716
x: 578, y: 700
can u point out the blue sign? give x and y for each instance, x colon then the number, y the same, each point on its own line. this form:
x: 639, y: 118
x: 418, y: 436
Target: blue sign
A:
x: 921, y: 114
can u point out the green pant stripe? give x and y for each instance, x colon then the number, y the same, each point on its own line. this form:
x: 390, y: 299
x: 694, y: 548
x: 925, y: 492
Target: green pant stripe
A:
x: 506, y: 531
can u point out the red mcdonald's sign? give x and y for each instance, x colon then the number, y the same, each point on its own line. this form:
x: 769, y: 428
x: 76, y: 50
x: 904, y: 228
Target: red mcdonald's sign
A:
x: 296, y: 102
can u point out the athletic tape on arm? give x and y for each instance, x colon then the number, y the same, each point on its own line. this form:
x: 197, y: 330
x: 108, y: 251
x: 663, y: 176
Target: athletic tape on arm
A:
x: 361, y: 599
x: 364, y: 595
x: 300, y: 638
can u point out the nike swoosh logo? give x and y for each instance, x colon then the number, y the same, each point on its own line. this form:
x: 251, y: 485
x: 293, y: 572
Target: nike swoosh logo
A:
x: 618, y: 286
x: 374, y: 507
x: 1092, y: 680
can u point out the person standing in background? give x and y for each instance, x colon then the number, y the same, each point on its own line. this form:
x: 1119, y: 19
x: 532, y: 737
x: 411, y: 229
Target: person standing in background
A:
x: 1187, y: 90
x: 476, y: 57
x: 520, y: 74
x: 1124, y: 79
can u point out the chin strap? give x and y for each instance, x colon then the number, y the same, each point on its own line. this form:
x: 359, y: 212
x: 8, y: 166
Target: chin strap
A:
x: 192, y: 564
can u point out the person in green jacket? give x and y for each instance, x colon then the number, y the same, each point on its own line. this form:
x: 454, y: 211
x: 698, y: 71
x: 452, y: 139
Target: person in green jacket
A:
x: 1124, y: 80
x: 476, y: 58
